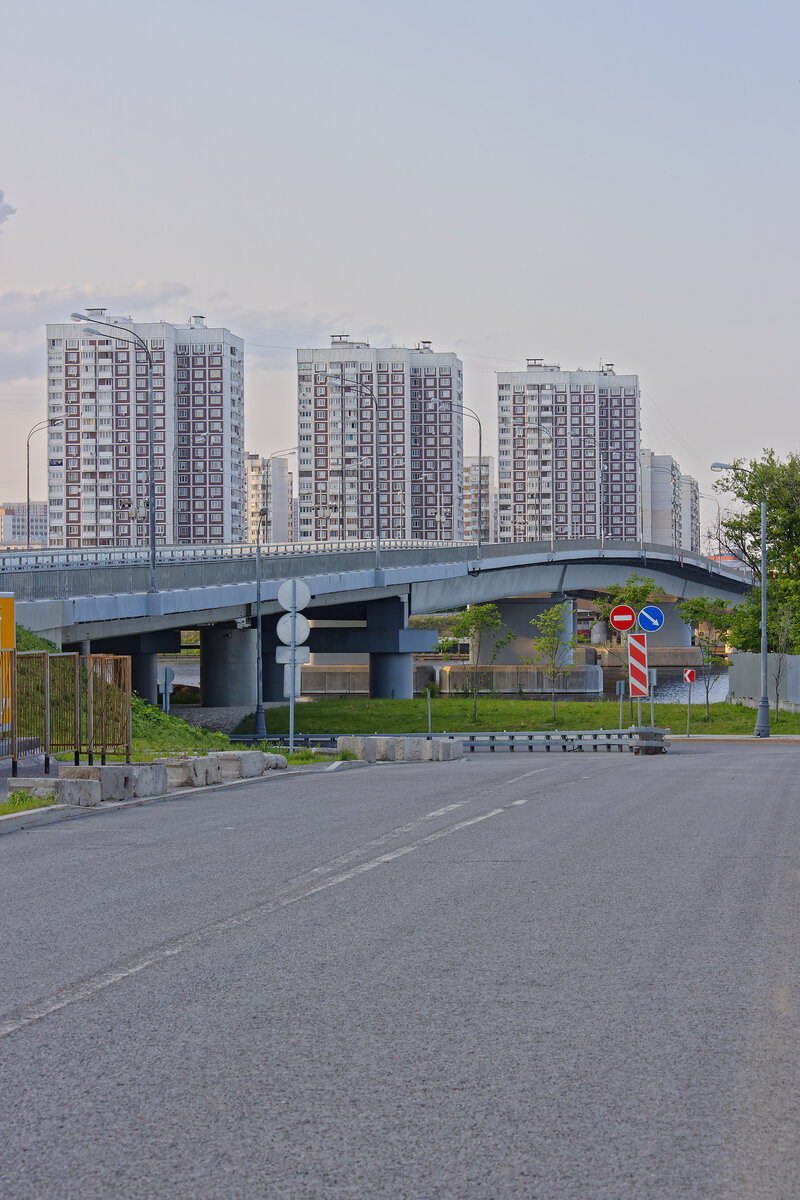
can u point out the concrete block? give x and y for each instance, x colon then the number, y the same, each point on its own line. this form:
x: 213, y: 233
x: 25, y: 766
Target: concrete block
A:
x: 41, y: 788
x: 81, y: 793
x: 411, y: 751
x: 447, y: 750
x: 384, y: 749
x: 190, y: 771
x: 239, y: 764
x: 79, y: 771
x: 149, y: 779
x: 427, y: 749
x: 363, y: 747
x: 279, y: 762
x: 177, y: 771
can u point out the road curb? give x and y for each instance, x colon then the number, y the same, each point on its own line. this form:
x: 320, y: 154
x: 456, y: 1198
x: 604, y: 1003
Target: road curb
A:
x: 33, y: 816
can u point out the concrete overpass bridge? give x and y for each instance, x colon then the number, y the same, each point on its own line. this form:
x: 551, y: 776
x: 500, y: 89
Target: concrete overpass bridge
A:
x: 99, y: 600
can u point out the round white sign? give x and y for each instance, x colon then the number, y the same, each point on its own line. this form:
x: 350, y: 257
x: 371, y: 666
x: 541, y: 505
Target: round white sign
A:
x: 301, y: 629
x: 302, y: 595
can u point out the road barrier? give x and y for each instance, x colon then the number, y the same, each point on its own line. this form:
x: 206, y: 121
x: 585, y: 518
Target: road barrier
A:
x: 639, y: 739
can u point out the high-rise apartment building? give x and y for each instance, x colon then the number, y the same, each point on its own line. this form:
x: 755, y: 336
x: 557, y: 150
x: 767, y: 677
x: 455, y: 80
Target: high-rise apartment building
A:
x: 268, y: 484
x: 568, y: 453
x: 690, y: 514
x: 473, y: 479
x: 98, y: 453
x: 416, y: 396
x: 17, y: 511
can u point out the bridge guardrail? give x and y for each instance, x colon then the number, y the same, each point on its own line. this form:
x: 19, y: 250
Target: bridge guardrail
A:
x: 647, y: 739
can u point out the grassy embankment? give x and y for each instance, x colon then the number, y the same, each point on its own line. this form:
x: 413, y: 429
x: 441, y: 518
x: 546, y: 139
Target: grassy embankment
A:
x: 455, y: 715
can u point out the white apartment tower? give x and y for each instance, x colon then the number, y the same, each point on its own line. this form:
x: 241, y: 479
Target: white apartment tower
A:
x: 568, y: 453
x: 416, y: 397
x: 690, y: 514
x: 269, y: 485
x: 670, y: 503
x: 98, y: 453
x: 483, y: 478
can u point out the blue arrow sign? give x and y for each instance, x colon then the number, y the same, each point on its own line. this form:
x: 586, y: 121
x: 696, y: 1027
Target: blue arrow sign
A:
x: 651, y: 618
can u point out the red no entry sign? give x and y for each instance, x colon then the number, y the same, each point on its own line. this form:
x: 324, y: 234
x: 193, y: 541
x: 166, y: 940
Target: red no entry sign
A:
x: 622, y: 617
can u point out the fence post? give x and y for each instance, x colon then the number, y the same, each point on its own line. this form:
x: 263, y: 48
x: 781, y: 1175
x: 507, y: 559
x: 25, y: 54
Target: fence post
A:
x: 90, y: 709
x: 104, y: 662
x: 78, y: 712
x: 13, y: 656
x: 46, y: 689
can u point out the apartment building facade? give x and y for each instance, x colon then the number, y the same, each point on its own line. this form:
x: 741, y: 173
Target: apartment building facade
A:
x: 17, y: 531
x: 568, y: 453
x: 480, y: 474
x: 379, y: 422
x: 269, y: 484
x: 670, y: 503
x: 98, y: 445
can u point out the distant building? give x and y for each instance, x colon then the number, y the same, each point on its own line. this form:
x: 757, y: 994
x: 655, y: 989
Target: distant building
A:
x: 670, y: 503
x: 418, y: 395
x: 268, y: 484
x: 690, y: 514
x: 98, y: 487
x: 19, y: 525
x: 568, y: 453
x: 488, y: 499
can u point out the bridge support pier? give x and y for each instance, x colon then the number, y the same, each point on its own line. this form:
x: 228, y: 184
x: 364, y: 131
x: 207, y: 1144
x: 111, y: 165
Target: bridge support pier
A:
x: 391, y: 676
x: 227, y: 667
x: 144, y: 676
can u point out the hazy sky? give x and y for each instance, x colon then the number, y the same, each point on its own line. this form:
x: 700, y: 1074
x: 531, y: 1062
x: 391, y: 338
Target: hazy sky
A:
x: 576, y: 181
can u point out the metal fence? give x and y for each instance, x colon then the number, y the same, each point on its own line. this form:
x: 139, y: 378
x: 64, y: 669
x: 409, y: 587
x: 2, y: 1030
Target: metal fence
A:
x: 52, y: 703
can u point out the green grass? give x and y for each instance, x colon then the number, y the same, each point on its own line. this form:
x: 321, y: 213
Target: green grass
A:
x: 22, y: 802
x: 455, y: 715
x: 31, y: 641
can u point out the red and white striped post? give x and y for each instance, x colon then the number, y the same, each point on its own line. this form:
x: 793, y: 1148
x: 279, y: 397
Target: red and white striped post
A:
x: 637, y: 669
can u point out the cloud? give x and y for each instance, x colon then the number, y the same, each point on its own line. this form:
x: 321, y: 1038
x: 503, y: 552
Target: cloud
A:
x: 6, y: 210
x: 23, y: 316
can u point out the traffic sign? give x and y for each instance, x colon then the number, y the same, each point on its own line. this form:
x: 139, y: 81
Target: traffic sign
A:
x: 637, y: 664
x: 689, y: 675
x: 302, y: 594
x: 283, y: 654
x: 301, y: 628
x: 165, y: 675
x: 622, y: 617
x: 651, y: 618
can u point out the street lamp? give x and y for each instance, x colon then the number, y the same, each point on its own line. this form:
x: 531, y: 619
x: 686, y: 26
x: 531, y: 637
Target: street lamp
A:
x: 762, y: 720
x: 259, y: 727
x: 469, y: 412
x: 45, y: 424
x: 128, y: 335
x: 363, y: 389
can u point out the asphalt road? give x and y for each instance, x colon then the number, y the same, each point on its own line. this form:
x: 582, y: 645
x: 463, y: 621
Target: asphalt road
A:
x: 521, y: 976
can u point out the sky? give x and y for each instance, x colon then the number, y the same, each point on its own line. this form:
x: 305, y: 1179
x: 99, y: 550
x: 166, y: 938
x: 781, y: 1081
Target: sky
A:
x: 575, y: 181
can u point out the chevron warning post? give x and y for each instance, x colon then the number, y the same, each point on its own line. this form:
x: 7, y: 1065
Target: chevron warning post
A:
x: 637, y: 664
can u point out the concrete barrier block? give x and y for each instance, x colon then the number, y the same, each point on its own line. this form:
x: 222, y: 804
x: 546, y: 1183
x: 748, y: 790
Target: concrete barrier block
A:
x: 427, y: 750
x: 251, y: 762
x: 149, y: 779
x: 384, y: 749
x: 41, y: 788
x: 78, y: 771
x: 448, y: 751
x: 363, y: 747
x: 80, y: 793
x: 411, y: 751
x: 177, y: 770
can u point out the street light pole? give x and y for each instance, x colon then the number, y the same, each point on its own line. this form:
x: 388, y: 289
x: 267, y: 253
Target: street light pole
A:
x: 762, y: 718
x: 128, y: 335
x: 45, y: 424
x: 268, y: 485
x: 259, y: 726
x: 469, y: 412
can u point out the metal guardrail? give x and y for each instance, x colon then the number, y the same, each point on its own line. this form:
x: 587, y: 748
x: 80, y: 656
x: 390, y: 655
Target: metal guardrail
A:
x: 639, y: 739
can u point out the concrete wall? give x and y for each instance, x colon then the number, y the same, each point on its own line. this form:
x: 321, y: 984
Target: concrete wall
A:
x: 744, y: 681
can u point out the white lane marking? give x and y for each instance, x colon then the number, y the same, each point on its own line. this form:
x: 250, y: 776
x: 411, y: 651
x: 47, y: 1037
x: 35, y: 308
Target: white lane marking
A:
x: 516, y: 803
x: 73, y: 994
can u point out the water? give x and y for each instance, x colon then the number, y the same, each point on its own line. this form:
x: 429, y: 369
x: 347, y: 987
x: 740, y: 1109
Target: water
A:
x: 675, y: 691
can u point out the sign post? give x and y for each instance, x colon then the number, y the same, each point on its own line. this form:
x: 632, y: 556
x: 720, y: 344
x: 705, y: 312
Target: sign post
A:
x: 293, y: 627
x: 652, y: 679
x: 621, y: 694
x: 165, y: 678
x: 637, y: 669
x: 689, y: 677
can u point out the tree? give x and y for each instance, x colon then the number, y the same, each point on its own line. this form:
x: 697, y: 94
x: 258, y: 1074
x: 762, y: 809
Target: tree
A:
x: 480, y: 624
x: 636, y: 591
x: 555, y: 645
x: 741, y: 532
x: 710, y: 619
x: 779, y: 633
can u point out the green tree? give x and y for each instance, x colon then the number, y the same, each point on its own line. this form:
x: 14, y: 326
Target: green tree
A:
x: 481, y: 625
x: 554, y: 646
x: 710, y: 619
x: 637, y: 591
x: 741, y: 532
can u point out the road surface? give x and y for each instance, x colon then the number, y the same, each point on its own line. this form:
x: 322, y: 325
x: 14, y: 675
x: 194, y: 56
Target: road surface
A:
x: 522, y: 976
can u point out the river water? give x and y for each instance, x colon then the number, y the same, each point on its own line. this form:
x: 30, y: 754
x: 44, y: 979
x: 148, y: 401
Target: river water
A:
x: 675, y: 691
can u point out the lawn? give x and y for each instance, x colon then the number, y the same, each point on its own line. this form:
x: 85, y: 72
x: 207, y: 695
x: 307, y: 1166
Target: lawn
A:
x: 455, y: 715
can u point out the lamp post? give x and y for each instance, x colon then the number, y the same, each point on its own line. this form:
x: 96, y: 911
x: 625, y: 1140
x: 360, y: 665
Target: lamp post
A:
x: 128, y: 335
x: 259, y: 727
x: 470, y: 412
x: 364, y: 390
x: 45, y: 424
x: 762, y: 719
x: 708, y: 496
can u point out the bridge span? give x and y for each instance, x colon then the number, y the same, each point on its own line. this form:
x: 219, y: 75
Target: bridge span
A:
x: 99, y: 600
